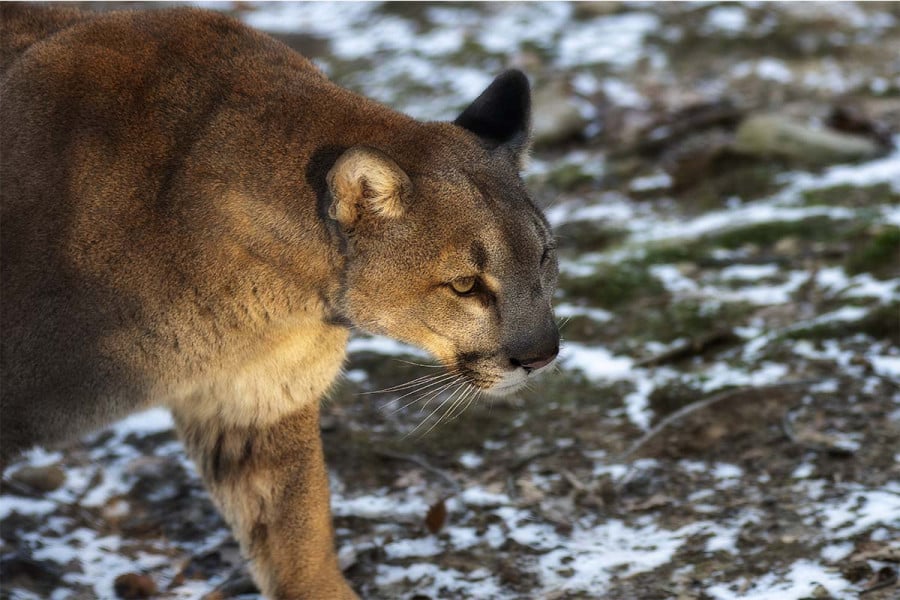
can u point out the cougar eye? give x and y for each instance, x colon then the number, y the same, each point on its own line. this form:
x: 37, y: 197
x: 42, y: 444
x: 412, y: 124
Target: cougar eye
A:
x: 463, y: 286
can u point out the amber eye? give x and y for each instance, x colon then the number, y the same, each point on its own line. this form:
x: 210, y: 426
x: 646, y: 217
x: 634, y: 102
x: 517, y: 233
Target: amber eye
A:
x: 463, y: 285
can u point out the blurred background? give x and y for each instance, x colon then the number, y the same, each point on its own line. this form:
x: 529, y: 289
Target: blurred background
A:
x: 724, y: 180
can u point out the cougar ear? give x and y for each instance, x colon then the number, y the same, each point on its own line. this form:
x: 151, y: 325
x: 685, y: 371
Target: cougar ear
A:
x: 501, y: 115
x: 366, y: 181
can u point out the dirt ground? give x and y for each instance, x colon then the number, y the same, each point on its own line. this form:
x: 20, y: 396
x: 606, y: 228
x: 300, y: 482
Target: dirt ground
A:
x: 725, y: 419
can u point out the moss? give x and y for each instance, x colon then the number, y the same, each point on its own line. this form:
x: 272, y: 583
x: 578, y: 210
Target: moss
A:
x: 813, y: 229
x: 668, y: 253
x: 879, y: 256
x: 819, y: 228
x: 571, y: 389
x: 611, y: 286
x: 470, y: 53
x: 689, y: 319
x: 850, y: 195
x: 570, y: 176
x: 881, y: 323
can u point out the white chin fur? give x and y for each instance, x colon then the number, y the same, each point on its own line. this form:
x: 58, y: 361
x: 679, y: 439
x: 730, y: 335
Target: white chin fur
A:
x: 511, y: 382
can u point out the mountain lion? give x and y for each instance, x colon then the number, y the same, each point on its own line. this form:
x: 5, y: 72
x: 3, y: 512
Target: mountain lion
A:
x: 194, y: 216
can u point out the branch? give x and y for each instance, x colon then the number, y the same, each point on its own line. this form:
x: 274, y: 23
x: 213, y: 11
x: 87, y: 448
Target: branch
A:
x: 423, y: 464
x: 690, y: 409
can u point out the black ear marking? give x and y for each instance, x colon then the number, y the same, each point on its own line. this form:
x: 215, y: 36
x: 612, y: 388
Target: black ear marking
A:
x: 501, y: 115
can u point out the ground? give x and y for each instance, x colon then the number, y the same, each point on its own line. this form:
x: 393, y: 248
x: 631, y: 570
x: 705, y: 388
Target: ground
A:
x: 725, y: 418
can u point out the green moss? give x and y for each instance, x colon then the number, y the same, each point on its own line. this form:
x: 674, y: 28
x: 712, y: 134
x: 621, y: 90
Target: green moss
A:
x: 819, y: 229
x: 571, y: 389
x: 689, y: 319
x: 881, y: 323
x: 568, y: 177
x: 879, y: 256
x: 611, y: 286
x: 470, y: 53
x: 851, y: 195
x: 812, y: 229
x: 668, y: 253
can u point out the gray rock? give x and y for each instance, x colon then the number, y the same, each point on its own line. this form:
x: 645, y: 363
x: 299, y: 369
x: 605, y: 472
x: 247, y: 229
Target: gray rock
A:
x: 776, y: 136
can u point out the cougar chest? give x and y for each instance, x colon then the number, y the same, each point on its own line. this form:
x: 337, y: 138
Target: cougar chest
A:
x: 289, y: 370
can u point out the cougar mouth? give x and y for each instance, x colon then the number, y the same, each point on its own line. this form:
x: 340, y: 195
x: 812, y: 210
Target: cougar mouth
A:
x: 482, y: 371
x: 509, y: 384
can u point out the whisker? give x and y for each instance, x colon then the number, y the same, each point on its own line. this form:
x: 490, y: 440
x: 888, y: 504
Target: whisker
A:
x: 435, y: 393
x: 472, y: 398
x: 427, y: 398
x: 403, y: 386
x: 440, y: 384
x: 456, y: 404
x: 433, y: 396
x: 453, y: 406
x: 409, y: 362
x: 432, y: 413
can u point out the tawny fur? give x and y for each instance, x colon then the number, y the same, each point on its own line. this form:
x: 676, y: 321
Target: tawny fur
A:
x: 194, y: 216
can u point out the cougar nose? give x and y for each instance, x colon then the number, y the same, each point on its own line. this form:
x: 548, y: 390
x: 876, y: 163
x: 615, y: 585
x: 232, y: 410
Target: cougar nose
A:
x: 532, y: 364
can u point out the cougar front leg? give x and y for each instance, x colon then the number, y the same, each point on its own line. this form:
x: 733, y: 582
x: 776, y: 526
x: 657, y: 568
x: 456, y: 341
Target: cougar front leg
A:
x: 270, y: 484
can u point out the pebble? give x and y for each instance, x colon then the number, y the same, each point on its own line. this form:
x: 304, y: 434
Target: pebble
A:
x: 133, y: 586
x: 771, y: 135
x: 40, y: 479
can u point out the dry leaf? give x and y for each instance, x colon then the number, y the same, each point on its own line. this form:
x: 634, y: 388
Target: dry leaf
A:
x: 436, y: 517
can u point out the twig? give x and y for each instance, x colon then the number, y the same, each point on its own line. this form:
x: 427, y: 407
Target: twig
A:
x: 525, y: 460
x: 691, y: 348
x: 690, y: 409
x: 423, y: 464
x: 886, y: 578
x: 10, y: 485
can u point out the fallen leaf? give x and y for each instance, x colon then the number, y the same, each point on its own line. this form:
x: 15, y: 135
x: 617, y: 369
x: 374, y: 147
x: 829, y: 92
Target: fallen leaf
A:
x: 436, y: 517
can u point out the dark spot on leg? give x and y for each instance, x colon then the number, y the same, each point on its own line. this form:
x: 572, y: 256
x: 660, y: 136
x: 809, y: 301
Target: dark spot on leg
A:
x: 248, y: 448
x: 216, y: 459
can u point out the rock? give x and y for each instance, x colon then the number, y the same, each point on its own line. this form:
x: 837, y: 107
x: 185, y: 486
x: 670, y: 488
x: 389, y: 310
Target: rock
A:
x: 557, y: 116
x: 693, y: 159
x: 133, y: 586
x: 40, y: 479
x: 589, y: 10
x: 769, y: 135
x: 820, y: 591
x: 787, y: 246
